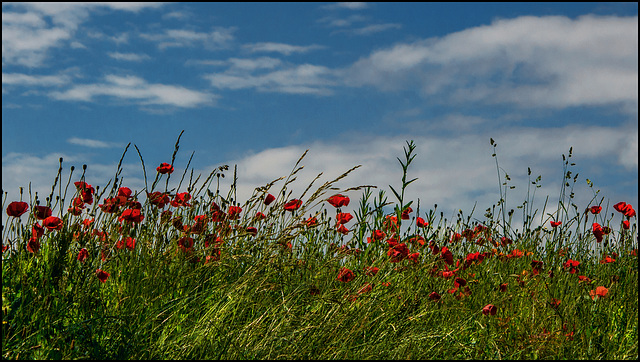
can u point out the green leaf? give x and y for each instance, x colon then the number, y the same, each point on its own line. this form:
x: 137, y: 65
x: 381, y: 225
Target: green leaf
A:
x: 395, y: 193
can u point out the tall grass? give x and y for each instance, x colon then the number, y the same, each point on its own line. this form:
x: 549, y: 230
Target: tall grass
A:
x: 402, y: 284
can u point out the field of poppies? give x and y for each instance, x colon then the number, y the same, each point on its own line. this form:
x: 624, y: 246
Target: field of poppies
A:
x: 192, y: 273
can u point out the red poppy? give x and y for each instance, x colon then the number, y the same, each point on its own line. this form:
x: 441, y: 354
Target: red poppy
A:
x: 343, y: 217
x: 446, y: 255
x: 607, y: 260
x: 390, y: 223
x: 434, y: 296
x: 537, y: 266
x: 131, y: 215
x: 293, y: 205
x: 503, y: 287
x: 598, y: 232
x: 629, y: 212
x: 269, y: 199
x: 102, y: 275
x: 53, y: 223
x: 620, y: 206
x: 600, y: 292
x: 83, y: 255
x: 421, y: 223
x: 414, y: 257
x: 555, y: 223
x: 342, y: 229
x: 311, y: 221
x: 595, y: 209
x: 338, y: 200
x: 33, y: 245
x: 489, y: 309
x: 371, y: 271
x: 555, y: 303
x: 42, y: 212
x: 253, y: 231
x: 131, y: 243
x: 181, y: 199
x: 158, y: 199
x: 345, y: 275
x: 17, y: 208
x: 583, y: 278
x: 234, y: 212
x: 626, y: 225
x: 572, y: 265
x: 405, y: 213
x: 260, y: 216
x: 455, y: 237
x: 37, y: 231
x: 459, y: 282
x: 377, y: 235
x: 397, y: 252
x: 165, y: 168
x: 185, y: 243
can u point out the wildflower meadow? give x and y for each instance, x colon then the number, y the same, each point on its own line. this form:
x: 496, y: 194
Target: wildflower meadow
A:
x: 193, y: 273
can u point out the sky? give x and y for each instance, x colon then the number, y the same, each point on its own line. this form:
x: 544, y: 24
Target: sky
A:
x: 257, y: 84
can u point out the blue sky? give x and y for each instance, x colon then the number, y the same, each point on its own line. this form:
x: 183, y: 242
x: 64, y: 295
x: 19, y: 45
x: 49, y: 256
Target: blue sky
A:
x: 257, y: 84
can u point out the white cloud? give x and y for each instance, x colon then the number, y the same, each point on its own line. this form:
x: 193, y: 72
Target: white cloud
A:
x: 136, y: 90
x: 218, y: 38
x: 92, y: 143
x: 34, y: 80
x: 347, y: 5
x: 369, y: 29
x: 130, y: 57
x: 529, y: 61
x: 300, y: 79
x: 282, y: 48
x: 30, y: 30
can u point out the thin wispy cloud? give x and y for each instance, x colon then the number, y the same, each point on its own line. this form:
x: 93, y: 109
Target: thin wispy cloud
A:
x: 136, y: 90
x: 347, y: 5
x: 129, y: 57
x: 218, y: 38
x: 92, y: 143
x: 369, y: 29
x: 286, y: 49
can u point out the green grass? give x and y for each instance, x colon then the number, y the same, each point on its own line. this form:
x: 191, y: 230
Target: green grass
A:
x: 276, y: 294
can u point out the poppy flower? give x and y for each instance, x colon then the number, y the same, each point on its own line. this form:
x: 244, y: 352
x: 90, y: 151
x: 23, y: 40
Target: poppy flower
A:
x: 53, y: 223
x: 41, y: 212
x: 102, y: 275
x: 269, y: 199
x: 181, y: 199
x: 405, y: 213
x: 376, y: 235
x: 620, y: 206
x: 253, y: 231
x: 434, y: 296
x: 446, y: 255
x: 599, y: 291
x: 397, y: 252
x: 421, y: 223
x: 164, y: 168
x: 260, y: 216
x: 572, y: 265
x: 343, y: 217
x: 311, y: 221
x: 555, y: 303
x: 293, y: 205
x: 185, y: 243
x: 503, y: 287
x: 131, y: 215
x: 345, y: 275
x: 17, y: 208
x: 234, y: 212
x: 555, y: 223
x: 455, y: 237
x: 459, y: 282
x: 597, y: 231
x: 33, y: 245
x: 626, y: 225
x: 595, y: 209
x: 371, y: 271
x: 607, y: 260
x: 83, y: 255
x: 585, y: 279
x: 414, y: 257
x: 130, y: 243
x: 338, y: 200
x: 37, y: 231
x: 158, y: 199
x: 537, y: 266
x: 342, y: 229
x: 489, y: 309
